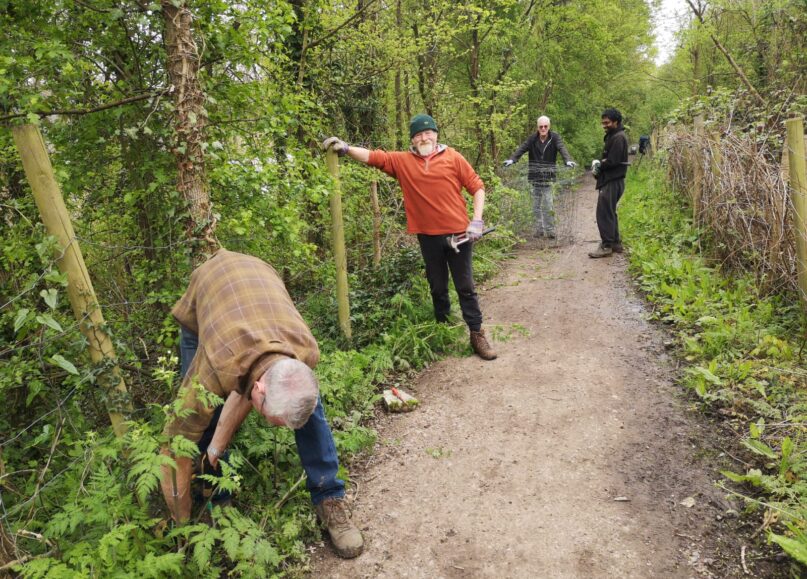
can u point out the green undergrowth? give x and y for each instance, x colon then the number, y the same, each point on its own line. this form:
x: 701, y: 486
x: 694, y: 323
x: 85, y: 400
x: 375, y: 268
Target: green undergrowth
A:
x: 100, y: 513
x: 744, y: 353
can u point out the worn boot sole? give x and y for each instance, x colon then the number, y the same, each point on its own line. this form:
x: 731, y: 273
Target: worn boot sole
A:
x: 348, y: 553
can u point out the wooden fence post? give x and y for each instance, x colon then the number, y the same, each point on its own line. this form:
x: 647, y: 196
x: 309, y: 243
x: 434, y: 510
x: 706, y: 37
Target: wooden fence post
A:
x: 376, y: 225
x: 716, y: 156
x: 50, y: 202
x: 797, y: 173
x: 338, y: 241
x: 697, y: 170
x: 785, y: 167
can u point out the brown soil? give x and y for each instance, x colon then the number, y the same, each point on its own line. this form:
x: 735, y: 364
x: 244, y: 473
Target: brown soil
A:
x: 571, y: 455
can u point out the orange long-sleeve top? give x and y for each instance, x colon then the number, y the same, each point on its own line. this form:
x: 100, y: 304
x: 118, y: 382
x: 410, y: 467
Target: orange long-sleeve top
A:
x: 432, y: 188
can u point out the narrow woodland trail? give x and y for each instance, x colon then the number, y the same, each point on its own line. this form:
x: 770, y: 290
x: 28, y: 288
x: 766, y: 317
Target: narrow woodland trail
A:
x: 568, y: 456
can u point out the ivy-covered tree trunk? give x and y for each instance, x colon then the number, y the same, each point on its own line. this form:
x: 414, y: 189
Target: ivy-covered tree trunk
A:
x: 190, y: 120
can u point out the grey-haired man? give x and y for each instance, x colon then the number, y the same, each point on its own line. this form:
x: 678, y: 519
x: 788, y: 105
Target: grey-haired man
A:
x: 542, y: 148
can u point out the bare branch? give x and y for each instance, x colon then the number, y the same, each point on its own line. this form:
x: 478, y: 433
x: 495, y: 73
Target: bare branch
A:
x: 699, y: 11
x: 333, y: 31
x: 103, y: 107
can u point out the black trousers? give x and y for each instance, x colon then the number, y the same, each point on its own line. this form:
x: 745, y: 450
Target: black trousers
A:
x: 440, y: 259
x: 607, y: 221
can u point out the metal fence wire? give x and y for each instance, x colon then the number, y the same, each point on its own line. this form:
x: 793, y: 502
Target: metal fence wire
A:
x: 550, y: 192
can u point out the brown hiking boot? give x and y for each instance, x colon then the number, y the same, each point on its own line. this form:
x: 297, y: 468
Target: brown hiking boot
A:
x: 481, y: 345
x: 345, y: 536
x: 601, y: 251
x: 617, y: 248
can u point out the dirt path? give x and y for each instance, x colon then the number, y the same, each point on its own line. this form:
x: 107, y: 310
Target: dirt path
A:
x: 568, y: 456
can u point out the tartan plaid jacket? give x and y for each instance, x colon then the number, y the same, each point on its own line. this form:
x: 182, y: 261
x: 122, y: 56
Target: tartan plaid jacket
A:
x: 245, y: 320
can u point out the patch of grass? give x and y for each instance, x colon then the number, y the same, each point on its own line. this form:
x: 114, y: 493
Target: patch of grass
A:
x: 506, y: 332
x: 438, y: 452
x: 744, y: 350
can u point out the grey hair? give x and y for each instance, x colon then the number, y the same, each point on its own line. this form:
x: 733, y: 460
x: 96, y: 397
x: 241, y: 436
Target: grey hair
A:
x: 543, y: 118
x: 291, y: 392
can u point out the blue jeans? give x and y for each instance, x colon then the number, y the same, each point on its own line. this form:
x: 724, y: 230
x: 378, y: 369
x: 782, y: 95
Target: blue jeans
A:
x: 315, y: 444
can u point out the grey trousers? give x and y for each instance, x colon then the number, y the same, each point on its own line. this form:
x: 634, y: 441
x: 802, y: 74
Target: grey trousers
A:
x: 543, y: 208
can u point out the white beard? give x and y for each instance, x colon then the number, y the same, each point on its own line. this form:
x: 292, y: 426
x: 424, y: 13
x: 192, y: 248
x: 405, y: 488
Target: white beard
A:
x: 425, y: 149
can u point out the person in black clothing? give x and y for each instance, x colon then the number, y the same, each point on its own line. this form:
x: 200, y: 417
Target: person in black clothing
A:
x: 610, y: 171
x: 644, y: 144
x: 542, y: 148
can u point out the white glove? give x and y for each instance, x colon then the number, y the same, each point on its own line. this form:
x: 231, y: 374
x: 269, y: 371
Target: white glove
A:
x: 213, y: 455
x: 595, y: 167
x: 508, y: 162
x: 571, y: 164
x: 338, y: 145
x: 475, y: 229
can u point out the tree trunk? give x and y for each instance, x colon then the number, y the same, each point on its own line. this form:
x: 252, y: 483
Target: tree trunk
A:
x: 376, y: 224
x: 427, y: 69
x: 190, y: 120
x: 407, y: 102
x: 398, y: 97
x: 548, y: 86
x: 473, y: 81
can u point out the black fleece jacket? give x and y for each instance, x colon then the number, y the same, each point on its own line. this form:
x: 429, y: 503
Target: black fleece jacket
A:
x: 614, y: 162
x: 542, y: 156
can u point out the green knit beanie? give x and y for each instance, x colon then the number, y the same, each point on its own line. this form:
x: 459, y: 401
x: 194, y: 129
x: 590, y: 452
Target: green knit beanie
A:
x: 421, y: 123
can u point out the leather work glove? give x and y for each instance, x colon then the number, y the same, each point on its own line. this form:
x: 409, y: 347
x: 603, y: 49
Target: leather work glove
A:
x: 571, y: 164
x: 507, y: 163
x: 475, y: 229
x: 338, y: 145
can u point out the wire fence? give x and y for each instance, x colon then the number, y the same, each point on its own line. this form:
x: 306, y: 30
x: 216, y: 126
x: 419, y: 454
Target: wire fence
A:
x: 548, y: 195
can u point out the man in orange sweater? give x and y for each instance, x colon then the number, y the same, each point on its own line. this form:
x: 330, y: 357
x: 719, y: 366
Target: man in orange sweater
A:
x: 432, y: 177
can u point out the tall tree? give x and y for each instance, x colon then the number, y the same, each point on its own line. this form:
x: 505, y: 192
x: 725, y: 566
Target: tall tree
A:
x: 190, y: 120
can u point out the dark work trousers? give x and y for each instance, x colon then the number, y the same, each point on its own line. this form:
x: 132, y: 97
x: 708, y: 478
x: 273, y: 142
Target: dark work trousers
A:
x: 607, y: 221
x: 440, y: 258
